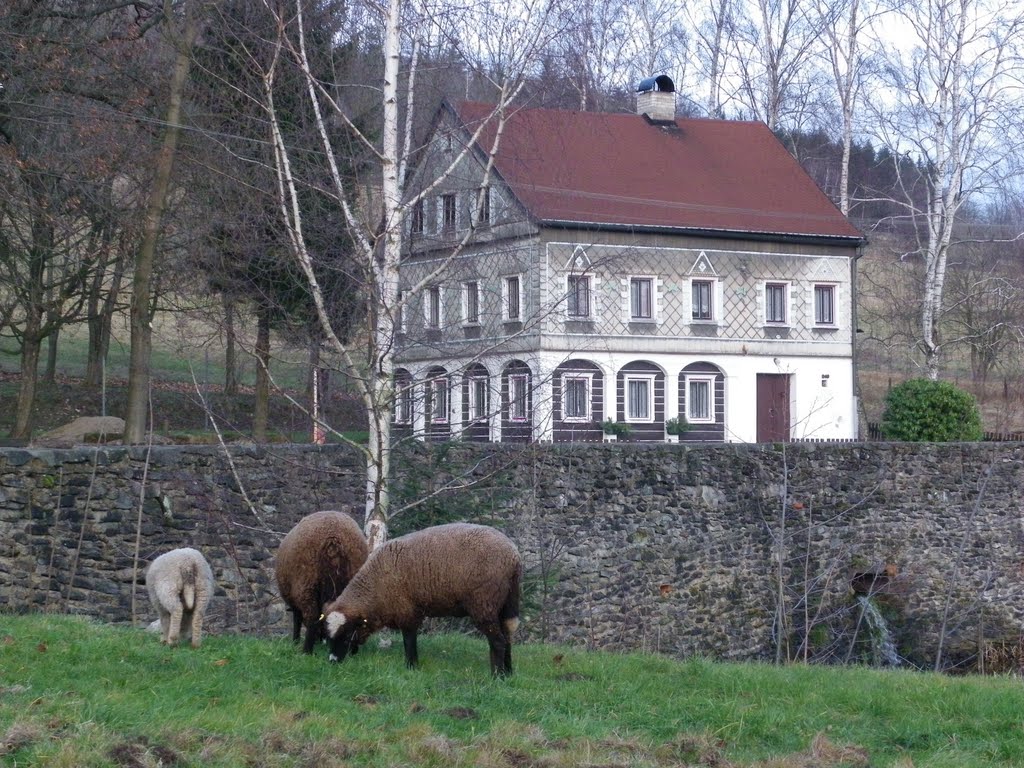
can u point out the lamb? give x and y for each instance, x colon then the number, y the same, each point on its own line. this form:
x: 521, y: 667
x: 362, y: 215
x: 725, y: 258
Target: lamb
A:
x: 180, y: 585
x: 315, y: 561
x: 457, y: 569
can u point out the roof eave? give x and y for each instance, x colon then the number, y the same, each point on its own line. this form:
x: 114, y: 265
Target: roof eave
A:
x: 725, y: 234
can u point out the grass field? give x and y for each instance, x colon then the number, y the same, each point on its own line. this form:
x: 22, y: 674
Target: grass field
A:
x: 74, y: 692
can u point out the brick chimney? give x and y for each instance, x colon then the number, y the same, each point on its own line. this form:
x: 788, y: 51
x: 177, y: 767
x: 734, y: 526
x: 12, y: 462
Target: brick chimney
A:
x: 656, y: 98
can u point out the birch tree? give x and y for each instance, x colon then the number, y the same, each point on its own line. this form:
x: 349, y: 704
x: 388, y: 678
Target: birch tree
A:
x: 776, y: 42
x: 951, y: 99
x: 714, y: 29
x: 844, y: 27
x: 375, y: 217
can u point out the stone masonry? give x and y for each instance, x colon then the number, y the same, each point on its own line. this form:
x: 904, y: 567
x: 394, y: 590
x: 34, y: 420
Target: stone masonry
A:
x: 731, y: 551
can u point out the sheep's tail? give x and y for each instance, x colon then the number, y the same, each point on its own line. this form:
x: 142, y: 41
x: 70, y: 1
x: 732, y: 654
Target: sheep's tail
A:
x: 189, y: 576
x: 509, y: 614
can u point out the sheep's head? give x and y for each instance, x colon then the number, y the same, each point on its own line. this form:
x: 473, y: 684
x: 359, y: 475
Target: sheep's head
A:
x: 344, y: 633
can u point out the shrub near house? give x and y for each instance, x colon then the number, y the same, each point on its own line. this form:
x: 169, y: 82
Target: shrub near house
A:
x: 922, y: 410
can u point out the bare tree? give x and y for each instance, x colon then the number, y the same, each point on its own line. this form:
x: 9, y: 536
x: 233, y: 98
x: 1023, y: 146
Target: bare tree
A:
x: 776, y: 43
x: 951, y: 98
x: 61, y: 153
x: 843, y: 26
x: 385, y: 207
x: 182, y: 24
x: 714, y: 31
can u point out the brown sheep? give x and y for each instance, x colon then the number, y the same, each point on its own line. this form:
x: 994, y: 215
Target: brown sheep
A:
x: 458, y: 569
x: 315, y: 561
x: 180, y: 585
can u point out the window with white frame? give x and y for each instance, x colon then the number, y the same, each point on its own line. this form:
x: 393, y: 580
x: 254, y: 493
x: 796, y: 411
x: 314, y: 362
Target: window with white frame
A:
x: 432, y: 306
x: 575, y: 397
x: 824, y: 305
x: 518, y: 408
x: 448, y: 212
x: 512, y: 297
x: 417, y: 218
x: 483, y: 211
x: 641, y: 298
x: 478, y: 391
x: 639, y: 398
x: 703, y: 300
x: 700, y: 399
x: 403, y: 401
x: 437, y: 399
x: 776, y: 303
x: 471, y: 303
x: 577, y: 304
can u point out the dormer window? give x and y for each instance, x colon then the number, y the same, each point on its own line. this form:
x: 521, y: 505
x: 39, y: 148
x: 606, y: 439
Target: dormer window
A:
x: 448, y: 212
x: 483, y: 213
x: 417, y: 218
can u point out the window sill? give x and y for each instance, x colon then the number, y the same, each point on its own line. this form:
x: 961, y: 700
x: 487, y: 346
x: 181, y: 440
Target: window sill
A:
x: 772, y: 332
x: 825, y: 328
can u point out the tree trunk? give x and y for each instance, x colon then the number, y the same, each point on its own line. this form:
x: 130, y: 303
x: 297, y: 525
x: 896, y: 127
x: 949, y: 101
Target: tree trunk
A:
x: 50, y: 374
x: 261, y: 408
x: 30, y: 348
x: 141, y: 309
x: 230, y: 355
x: 101, y: 316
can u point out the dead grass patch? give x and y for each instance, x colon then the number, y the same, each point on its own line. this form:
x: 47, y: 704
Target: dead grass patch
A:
x: 19, y: 736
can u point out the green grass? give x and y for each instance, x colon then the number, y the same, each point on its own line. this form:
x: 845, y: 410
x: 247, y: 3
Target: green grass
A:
x: 181, y: 348
x: 77, y: 693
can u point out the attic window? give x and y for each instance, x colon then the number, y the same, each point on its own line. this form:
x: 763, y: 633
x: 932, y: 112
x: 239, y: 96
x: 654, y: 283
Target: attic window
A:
x: 448, y: 213
x: 483, y: 214
x: 417, y: 218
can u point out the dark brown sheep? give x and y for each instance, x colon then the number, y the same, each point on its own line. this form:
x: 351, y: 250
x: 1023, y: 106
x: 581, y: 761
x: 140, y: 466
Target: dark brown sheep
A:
x: 458, y: 569
x: 315, y: 561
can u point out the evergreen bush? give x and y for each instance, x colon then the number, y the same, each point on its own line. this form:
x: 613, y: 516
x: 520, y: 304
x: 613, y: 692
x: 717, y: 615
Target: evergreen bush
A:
x: 922, y: 410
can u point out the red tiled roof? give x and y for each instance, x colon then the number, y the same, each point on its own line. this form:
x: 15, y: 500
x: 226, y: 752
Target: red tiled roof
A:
x: 620, y: 169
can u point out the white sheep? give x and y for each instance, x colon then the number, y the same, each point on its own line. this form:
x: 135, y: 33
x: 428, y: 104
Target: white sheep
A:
x: 180, y: 585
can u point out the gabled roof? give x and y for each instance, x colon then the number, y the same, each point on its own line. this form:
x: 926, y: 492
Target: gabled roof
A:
x: 621, y: 170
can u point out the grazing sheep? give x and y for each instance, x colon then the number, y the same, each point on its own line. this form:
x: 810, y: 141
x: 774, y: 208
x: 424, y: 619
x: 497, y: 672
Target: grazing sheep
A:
x: 315, y: 561
x: 448, y: 570
x: 180, y: 585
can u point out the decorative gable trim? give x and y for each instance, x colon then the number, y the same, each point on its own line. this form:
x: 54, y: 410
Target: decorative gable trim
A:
x: 825, y: 272
x: 579, y: 261
x: 703, y: 267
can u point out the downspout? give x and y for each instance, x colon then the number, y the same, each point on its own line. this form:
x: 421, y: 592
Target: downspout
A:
x: 858, y: 404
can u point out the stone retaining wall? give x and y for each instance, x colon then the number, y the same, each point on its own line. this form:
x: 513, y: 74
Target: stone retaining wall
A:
x: 733, y: 551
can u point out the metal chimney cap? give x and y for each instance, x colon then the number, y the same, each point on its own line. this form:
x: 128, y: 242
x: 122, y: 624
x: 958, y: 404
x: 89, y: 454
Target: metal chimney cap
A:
x: 658, y: 83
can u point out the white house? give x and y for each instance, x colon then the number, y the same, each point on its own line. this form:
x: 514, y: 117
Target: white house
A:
x: 637, y: 268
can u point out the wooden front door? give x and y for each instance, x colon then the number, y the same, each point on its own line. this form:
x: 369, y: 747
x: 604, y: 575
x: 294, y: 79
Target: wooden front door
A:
x: 772, y: 407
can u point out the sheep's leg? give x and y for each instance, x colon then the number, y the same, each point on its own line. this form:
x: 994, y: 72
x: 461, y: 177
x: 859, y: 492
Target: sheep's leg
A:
x: 174, y: 631
x: 312, y: 635
x: 165, y: 623
x: 501, y: 652
x: 508, y: 653
x: 197, y: 626
x: 412, y: 658
x: 296, y: 625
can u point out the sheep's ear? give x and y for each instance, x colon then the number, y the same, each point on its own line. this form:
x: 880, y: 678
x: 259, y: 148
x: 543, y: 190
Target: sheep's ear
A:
x: 335, y: 621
